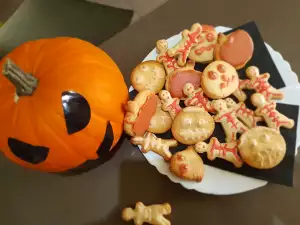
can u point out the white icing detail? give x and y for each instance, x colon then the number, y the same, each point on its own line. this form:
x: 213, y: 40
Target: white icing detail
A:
x: 187, y: 121
x: 193, y: 109
x: 202, y: 121
x: 193, y: 134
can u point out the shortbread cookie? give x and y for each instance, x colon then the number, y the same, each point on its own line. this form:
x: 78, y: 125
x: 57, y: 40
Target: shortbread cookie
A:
x: 169, y: 104
x: 161, y: 122
x: 219, y: 80
x: 262, y: 147
x: 158, y: 145
x: 267, y: 110
x: 196, y: 97
x: 176, y: 80
x: 152, y: 214
x: 192, y: 124
x: 259, y: 83
x: 243, y: 113
x: 148, y: 75
x: 236, y: 48
x: 203, y: 52
x: 188, y: 41
x: 215, y: 149
x: 239, y: 93
x: 188, y: 165
x: 139, y: 113
x: 228, y: 119
x: 170, y: 63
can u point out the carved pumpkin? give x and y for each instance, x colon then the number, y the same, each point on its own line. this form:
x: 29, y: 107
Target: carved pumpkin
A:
x: 61, y: 104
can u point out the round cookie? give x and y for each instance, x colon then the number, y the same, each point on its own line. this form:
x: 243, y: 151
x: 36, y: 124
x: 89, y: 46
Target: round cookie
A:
x: 236, y: 48
x: 192, y: 124
x: 262, y: 147
x: 219, y: 80
x: 161, y: 122
x: 203, y: 52
x: 139, y: 112
x: 148, y: 75
x: 176, y: 81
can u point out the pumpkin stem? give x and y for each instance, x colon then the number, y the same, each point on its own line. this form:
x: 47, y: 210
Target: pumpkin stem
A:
x: 25, y: 83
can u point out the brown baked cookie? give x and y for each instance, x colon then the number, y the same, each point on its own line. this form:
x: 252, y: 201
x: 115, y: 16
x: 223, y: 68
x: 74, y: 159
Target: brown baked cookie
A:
x: 139, y: 113
x: 236, y: 48
x: 148, y: 75
x: 152, y: 143
x: 262, y: 147
x: 176, y: 81
x: 203, y: 52
x: 267, y: 110
x: 219, y: 80
x: 152, y: 214
x: 192, y: 124
x: 215, y: 149
x: 161, y: 122
x: 188, y: 165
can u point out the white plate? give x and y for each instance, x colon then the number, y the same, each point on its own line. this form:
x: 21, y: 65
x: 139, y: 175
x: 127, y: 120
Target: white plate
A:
x: 217, y: 181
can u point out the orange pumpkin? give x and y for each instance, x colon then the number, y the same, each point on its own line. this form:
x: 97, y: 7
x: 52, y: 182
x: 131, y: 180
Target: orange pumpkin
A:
x: 61, y: 104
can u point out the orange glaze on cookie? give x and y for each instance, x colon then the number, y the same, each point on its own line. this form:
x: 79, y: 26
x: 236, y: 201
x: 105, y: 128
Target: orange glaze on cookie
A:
x: 179, y: 78
x: 238, y: 49
x: 145, y: 114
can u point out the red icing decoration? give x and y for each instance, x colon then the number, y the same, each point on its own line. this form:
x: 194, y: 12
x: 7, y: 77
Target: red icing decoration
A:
x: 144, y: 116
x: 212, y: 75
x: 180, y: 157
x: 229, y: 119
x: 183, y: 168
x: 223, y: 85
x: 221, y: 68
x: 191, y: 41
x: 273, y: 114
x: 244, y: 111
x: 210, y: 37
x: 199, y: 51
x: 201, y: 101
x: 216, y: 146
x: 179, y: 78
x: 224, y: 77
x: 170, y: 61
x: 175, y: 106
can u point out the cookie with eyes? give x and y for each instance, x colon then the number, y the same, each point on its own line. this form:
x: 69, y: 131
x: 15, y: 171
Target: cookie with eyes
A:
x: 148, y: 75
x: 161, y: 122
x: 192, y: 124
x: 236, y: 48
x: 187, y: 165
x: 262, y: 147
x: 219, y: 80
x: 203, y: 52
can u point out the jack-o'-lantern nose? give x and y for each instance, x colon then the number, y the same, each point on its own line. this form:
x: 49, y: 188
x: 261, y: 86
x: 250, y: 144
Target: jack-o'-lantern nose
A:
x: 27, y: 152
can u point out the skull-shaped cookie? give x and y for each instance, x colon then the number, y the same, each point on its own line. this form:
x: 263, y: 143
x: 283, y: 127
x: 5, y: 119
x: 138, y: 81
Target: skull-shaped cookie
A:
x: 192, y: 124
x: 204, y: 51
x: 219, y: 80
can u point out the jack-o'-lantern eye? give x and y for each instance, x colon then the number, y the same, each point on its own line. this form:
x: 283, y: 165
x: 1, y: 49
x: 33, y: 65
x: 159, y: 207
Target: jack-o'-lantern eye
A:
x: 77, y: 111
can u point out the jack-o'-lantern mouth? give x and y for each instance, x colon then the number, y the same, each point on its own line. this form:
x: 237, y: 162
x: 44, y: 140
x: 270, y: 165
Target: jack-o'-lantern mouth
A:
x: 27, y: 152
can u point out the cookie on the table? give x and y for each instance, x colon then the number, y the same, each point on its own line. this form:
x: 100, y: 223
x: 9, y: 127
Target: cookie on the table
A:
x: 203, y: 52
x: 176, y: 81
x: 161, y: 122
x: 262, y: 147
x: 236, y: 48
x: 188, y: 165
x: 139, y: 113
x: 148, y: 75
x: 192, y: 124
x: 219, y: 80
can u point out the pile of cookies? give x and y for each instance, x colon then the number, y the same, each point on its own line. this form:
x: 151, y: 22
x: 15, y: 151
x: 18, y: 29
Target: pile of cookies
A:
x: 173, y: 95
